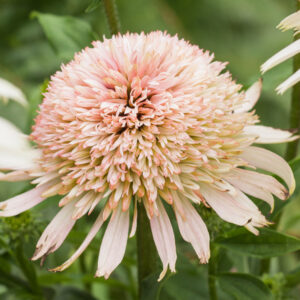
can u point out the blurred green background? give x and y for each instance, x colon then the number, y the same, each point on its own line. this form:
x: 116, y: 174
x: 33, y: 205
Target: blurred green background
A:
x: 241, y: 32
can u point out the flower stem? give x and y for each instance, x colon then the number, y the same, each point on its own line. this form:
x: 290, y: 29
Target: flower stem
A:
x: 111, y: 13
x: 292, y: 147
x: 212, y: 270
x: 146, y: 251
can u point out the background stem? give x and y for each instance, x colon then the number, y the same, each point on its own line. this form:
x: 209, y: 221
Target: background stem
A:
x: 112, y: 16
x: 212, y: 270
x: 292, y: 147
x: 146, y: 251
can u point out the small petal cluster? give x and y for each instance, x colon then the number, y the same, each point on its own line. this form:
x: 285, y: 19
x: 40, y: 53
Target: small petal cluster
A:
x: 290, y: 22
x: 148, y: 119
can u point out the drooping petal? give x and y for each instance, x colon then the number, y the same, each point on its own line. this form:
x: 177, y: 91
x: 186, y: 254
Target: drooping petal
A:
x: 164, y: 239
x: 22, y: 202
x: 114, y: 243
x: 258, y: 180
x: 291, y: 22
x: 282, y: 55
x: 94, y: 230
x: 10, y: 91
x: 269, y: 135
x: 15, y: 176
x: 291, y: 81
x: 251, y: 97
x: 239, y: 209
x: 192, y: 228
x: 249, y: 187
x: 271, y: 162
x: 134, y: 220
x: 55, y: 233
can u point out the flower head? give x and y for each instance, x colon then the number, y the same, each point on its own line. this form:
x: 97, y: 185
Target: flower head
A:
x: 149, y: 119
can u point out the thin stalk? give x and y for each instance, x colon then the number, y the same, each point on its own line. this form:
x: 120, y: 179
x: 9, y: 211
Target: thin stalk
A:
x: 212, y: 270
x: 292, y: 147
x: 146, y: 251
x: 112, y: 16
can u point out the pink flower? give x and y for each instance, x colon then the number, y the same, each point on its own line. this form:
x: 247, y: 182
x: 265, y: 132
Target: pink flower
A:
x: 152, y: 119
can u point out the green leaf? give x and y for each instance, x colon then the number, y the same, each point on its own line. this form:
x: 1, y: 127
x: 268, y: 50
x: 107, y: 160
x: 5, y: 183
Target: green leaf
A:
x: 293, y: 278
x: 93, y: 5
x: 268, y: 243
x: 71, y: 293
x: 150, y: 288
x: 295, y: 163
x: 188, y: 283
x: 66, y: 34
x: 244, y: 286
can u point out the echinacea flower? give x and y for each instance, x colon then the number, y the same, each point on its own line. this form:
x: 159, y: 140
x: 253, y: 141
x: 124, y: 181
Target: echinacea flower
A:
x: 290, y: 22
x: 148, y: 119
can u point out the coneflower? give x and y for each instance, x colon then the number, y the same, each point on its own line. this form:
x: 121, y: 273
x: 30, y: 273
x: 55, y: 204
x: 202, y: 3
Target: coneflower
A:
x: 150, y: 119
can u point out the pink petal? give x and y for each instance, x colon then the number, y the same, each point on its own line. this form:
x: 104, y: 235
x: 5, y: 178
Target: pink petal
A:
x: 239, y: 210
x: 271, y: 162
x: 269, y: 135
x: 134, y: 221
x: 291, y: 22
x: 114, y: 243
x: 250, y: 189
x: 291, y: 81
x: 282, y: 55
x: 22, y: 202
x: 10, y: 91
x: 15, y: 176
x: 94, y: 230
x: 164, y: 239
x: 193, y: 229
x: 55, y: 233
x: 251, y: 97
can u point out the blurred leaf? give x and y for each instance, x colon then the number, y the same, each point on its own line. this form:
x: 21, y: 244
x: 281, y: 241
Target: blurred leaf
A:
x: 66, y: 34
x: 110, y: 281
x: 27, y: 268
x: 244, y: 286
x: 268, y: 243
x: 71, y: 293
x: 54, y: 278
x: 93, y: 5
x: 293, y: 278
x: 295, y: 163
x: 150, y: 288
x: 189, y: 282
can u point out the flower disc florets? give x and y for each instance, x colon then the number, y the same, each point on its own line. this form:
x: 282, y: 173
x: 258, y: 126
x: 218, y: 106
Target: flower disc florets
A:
x: 143, y: 115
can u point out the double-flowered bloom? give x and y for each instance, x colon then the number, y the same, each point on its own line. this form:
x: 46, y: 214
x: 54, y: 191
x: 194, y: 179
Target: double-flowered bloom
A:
x: 148, y: 119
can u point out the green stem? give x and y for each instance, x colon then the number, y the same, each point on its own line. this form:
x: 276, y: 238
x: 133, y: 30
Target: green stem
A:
x: 146, y: 251
x: 83, y: 270
x: 292, y: 147
x: 111, y: 13
x: 212, y: 270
